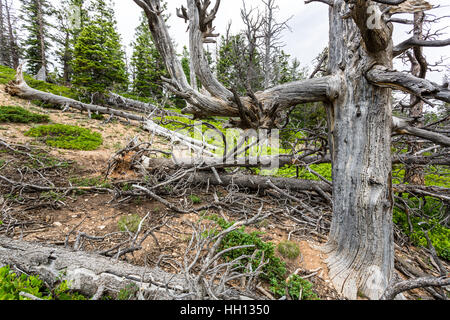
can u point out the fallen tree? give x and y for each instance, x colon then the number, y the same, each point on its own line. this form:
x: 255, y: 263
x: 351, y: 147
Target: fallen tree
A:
x: 88, y: 273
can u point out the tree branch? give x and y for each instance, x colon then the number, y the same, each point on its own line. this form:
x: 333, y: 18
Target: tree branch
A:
x: 383, y: 77
x: 413, y: 42
x: 399, y: 287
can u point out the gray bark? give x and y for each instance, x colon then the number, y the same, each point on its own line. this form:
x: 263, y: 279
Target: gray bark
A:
x: 360, y: 245
x: 86, y: 272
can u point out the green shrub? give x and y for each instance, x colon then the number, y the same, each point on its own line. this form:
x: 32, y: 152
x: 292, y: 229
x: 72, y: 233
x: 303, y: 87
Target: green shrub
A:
x: 438, y: 234
x: 288, y: 249
x: 274, y: 271
x: 20, y: 115
x: 67, y: 136
x: 295, y: 285
x: 129, y: 223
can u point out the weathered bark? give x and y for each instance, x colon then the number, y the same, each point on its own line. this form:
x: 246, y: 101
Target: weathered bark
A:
x: 402, y: 127
x: 86, y: 272
x: 386, y: 77
x: 41, y: 37
x: 360, y: 245
x: 414, y: 173
x: 3, y: 53
x: 399, y: 287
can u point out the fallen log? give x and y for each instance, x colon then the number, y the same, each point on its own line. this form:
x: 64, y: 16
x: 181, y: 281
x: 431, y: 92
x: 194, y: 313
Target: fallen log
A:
x: 139, y: 106
x: 85, y: 272
x: 21, y: 89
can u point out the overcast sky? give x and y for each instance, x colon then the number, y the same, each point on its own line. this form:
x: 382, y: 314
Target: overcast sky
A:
x: 309, y: 26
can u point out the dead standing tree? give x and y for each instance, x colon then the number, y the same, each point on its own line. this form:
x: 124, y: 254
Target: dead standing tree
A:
x: 357, y: 94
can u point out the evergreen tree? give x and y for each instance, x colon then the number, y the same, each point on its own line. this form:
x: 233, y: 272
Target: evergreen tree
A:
x: 72, y: 17
x: 35, y: 14
x: 98, y: 63
x: 146, y: 63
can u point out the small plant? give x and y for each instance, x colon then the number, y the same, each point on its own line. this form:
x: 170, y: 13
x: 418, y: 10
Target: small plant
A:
x: 20, y: 115
x: 288, y: 249
x: 67, y: 136
x: 99, y: 182
x: 295, y: 285
x: 195, y: 199
x: 129, y: 223
x: 128, y: 292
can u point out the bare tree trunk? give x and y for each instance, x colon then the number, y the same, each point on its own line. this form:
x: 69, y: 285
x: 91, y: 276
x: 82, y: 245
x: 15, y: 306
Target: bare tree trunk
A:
x: 13, y: 47
x: 4, y: 60
x: 414, y: 173
x: 41, y: 36
x: 360, y: 245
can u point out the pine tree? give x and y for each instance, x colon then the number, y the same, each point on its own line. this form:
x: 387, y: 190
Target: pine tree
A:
x: 146, y: 63
x: 98, y: 63
x: 35, y: 15
x: 72, y: 17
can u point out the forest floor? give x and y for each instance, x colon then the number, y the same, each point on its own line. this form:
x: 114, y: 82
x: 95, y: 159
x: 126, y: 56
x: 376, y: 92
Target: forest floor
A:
x: 58, y: 219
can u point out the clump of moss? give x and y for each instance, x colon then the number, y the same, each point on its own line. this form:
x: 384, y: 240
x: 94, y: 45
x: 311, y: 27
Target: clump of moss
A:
x: 67, y: 136
x: 288, y: 249
x: 20, y: 115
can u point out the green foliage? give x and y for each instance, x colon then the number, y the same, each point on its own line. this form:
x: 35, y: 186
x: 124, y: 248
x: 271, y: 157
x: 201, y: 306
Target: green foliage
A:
x: 288, y: 249
x: 128, y: 292
x: 195, y: 199
x: 20, y: 115
x: 35, y: 17
x: 274, y: 271
x: 295, y: 285
x: 129, y: 223
x: 324, y: 169
x: 432, y: 209
x: 67, y: 136
x: 147, y: 63
x: 11, y: 284
x: 99, y: 182
x: 98, y: 63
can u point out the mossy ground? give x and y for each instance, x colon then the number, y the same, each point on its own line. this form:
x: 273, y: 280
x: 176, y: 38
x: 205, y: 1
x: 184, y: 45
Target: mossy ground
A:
x: 67, y: 136
x: 14, y: 114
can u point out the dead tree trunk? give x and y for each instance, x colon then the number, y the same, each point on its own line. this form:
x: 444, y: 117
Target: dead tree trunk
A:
x: 360, y: 245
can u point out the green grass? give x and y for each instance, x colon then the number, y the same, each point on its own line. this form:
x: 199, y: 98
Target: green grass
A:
x: 67, y: 136
x: 99, y: 182
x: 13, y: 114
x: 288, y: 249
